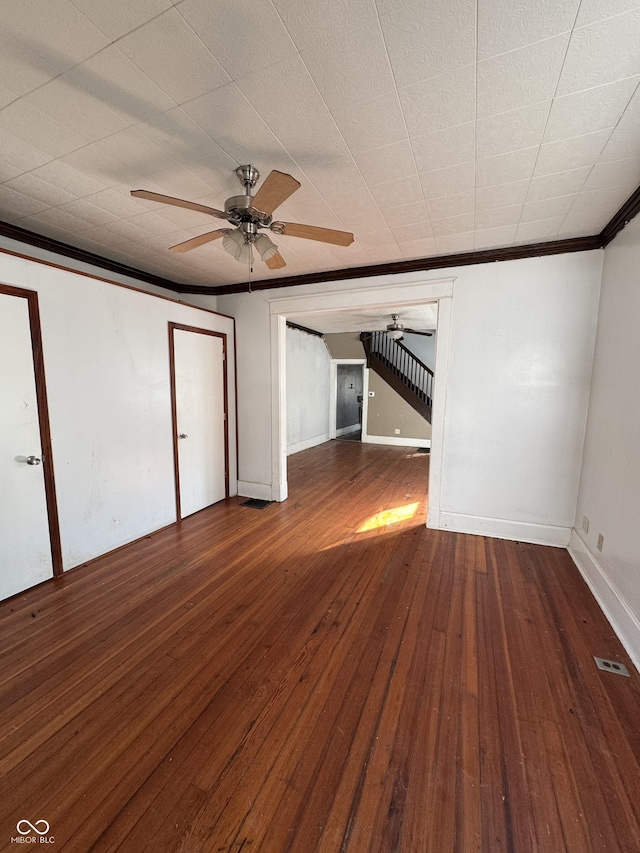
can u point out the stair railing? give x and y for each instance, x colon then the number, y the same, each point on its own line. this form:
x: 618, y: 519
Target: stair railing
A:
x: 413, y: 372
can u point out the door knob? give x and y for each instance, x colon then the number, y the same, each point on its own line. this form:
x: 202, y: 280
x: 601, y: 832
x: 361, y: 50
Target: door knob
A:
x: 183, y: 435
x: 33, y: 460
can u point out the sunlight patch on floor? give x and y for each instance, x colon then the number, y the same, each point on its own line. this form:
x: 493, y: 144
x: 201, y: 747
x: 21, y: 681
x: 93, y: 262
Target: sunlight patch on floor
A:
x: 389, y: 516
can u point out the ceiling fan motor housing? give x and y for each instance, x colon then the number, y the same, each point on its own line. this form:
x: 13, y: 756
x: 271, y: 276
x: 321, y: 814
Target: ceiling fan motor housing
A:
x: 238, y: 209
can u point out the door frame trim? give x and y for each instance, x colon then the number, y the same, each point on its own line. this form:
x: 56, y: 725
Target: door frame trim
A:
x: 35, y: 330
x: 181, y: 327
x: 391, y: 291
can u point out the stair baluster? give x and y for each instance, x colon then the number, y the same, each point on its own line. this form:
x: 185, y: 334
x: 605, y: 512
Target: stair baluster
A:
x: 398, y: 366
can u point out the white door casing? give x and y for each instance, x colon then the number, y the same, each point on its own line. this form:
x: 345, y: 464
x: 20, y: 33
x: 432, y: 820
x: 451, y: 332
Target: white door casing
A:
x: 412, y: 292
x: 26, y: 553
x: 200, y: 418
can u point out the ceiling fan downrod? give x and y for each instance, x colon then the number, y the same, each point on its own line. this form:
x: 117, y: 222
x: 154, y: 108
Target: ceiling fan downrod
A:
x: 239, y: 209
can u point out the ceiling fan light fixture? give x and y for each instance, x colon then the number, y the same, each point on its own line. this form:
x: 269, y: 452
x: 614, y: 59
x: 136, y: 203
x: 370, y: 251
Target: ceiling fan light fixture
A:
x: 233, y: 242
x: 395, y: 334
x: 245, y: 255
x: 266, y: 247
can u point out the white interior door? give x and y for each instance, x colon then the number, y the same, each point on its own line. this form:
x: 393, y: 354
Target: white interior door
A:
x: 25, y: 545
x: 200, y: 419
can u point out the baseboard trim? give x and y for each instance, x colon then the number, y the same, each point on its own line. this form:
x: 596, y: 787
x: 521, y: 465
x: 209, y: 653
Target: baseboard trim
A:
x: 348, y: 429
x: 399, y: 441
x: 612, y: 603
x: 307, y: 443
x: 261, y: 491
x: 501, y: 528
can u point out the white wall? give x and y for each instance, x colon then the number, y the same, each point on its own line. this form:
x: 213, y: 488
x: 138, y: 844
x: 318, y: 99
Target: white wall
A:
x: 308, y: 390
x: 253, y: 340
x: 107, y: 372
x: 522, y: 337
x: 610, y: 484
x: 521, y: 344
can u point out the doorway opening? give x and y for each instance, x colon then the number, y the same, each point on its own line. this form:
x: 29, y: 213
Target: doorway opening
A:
x: 386, y: 298
x: 348, y: 409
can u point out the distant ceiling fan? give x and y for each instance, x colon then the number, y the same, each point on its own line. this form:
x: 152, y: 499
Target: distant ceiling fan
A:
x: 396, y: 331
x: 248, y: 214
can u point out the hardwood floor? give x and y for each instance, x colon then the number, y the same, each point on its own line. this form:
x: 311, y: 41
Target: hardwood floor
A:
x: 325, y: 675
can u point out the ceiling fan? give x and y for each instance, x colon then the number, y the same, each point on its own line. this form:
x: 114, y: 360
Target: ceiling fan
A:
x: 248, y: 214
x: 396, y: 331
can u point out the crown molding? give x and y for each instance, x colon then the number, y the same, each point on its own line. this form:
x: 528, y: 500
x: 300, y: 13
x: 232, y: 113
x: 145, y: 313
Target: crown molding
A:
x: 13, y: 232
x: 488, y: 256
x: 629, y: 209
x: 624, y: 215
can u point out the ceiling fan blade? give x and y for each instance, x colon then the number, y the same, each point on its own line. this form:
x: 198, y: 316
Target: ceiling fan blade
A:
x: 178, y: 202
x: 416, y: 332
x: 276, y: 188
x: 199, y: 241
x: 312, y: 232
x: 276, y: 262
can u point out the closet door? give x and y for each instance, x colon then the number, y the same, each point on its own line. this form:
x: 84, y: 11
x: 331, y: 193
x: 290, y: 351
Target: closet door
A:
x: 200, y: 418
x: 29, y: 543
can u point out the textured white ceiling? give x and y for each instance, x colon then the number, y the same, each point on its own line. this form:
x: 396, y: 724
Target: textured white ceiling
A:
x: 422, y: 317
x: 425, y: 127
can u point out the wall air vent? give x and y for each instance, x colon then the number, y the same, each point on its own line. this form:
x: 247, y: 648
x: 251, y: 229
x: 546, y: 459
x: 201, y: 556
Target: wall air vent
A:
x: 611, y: 666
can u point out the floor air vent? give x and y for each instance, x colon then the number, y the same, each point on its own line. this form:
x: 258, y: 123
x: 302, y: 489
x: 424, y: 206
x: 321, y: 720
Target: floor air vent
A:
x: 611, y: 666
x: 423, y: 450
x: 256, y: 503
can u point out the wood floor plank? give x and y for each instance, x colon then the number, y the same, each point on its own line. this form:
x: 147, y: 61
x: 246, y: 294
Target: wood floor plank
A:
x: 373, y: 743
x: 231, y: 744
x: 325, y: 675
x: 300, y: 756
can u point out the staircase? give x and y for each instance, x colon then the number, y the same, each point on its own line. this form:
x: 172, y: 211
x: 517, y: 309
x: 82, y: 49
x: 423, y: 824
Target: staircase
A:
x: 400, y: 369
